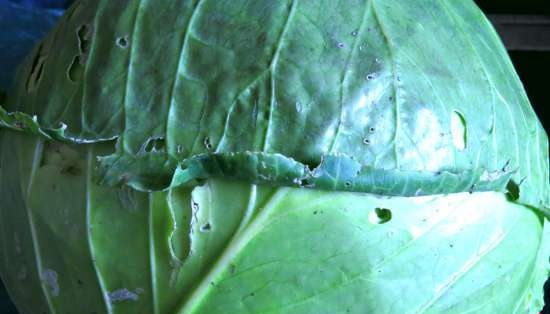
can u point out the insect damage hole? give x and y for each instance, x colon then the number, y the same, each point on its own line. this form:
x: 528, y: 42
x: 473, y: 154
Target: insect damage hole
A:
x: 458, y: 130
x: 83, y: 35
x: 154, y: 144
x: 122, y: 42
x: 206, y: 227
x: 75, y: 72
x: 207, y: 143
x: 380, y: 215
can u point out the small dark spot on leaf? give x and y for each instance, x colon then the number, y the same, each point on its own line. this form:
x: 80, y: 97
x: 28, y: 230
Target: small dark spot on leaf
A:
x: 366, y: 141
x: 206, y: 227
x: 122, y: 42
x: 371, y: 129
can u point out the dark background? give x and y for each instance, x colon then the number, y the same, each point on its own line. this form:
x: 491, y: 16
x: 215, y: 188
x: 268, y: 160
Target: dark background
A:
x: 30, y: 19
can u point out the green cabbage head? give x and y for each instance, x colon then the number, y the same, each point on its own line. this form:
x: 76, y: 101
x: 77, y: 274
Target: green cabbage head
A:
x: 292, y: 156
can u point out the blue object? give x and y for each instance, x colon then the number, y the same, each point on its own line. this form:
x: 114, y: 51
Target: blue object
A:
x: 22, y: 24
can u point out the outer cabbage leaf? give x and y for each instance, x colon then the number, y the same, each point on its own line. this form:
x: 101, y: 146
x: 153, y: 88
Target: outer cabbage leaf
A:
x: 229, y: 247
x: 401, y: 86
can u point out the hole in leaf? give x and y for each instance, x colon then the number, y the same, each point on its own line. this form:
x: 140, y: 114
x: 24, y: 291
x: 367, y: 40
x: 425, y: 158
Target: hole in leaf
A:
x: 122, y: 42
x: 380, y: 215
x: 75, y: 72
x: 458, y: 130
x: 206, y: 227
x: 512, y: 190
x: 154, y: 144
x: 207, y: 143
x: 83, y: 34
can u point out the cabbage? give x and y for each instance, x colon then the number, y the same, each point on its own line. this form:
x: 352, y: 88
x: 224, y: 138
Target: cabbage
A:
x: 272, y: 157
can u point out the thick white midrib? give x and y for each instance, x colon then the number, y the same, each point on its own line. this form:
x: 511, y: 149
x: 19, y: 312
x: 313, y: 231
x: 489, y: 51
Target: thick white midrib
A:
x: 236, y: 244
